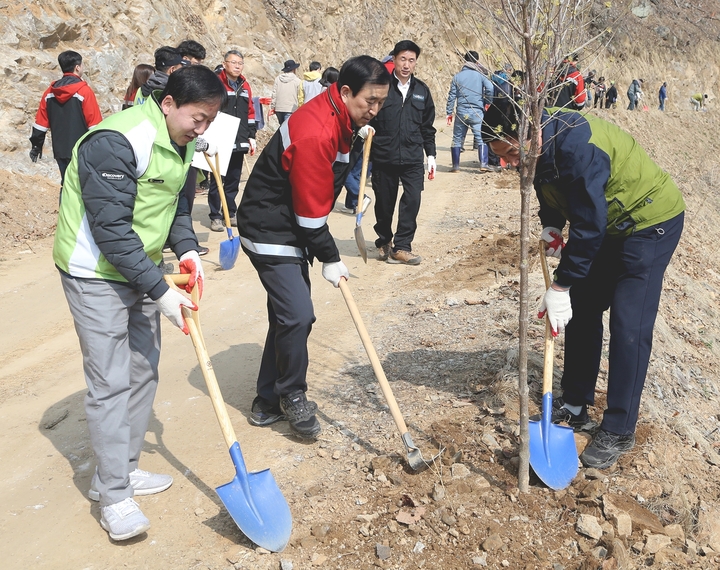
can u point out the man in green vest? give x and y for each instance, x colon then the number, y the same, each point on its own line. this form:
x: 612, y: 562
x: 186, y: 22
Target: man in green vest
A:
x: 121, y: 201
x: 625, y: 217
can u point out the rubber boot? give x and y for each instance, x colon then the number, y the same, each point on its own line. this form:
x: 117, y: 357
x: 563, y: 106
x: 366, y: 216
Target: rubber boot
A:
x: 483, y: 157
x: 455, y: 153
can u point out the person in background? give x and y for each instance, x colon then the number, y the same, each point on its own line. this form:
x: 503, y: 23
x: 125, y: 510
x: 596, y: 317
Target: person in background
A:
x: 470, y: 91
x: 662, y: 96
x: 625, y: 218
x: 698, y: 101
x: 141, y: 74
x: 68, y: 108
x: 634, y: 93
x: 611, y: 96
x: 600, y: 91
x: 284, y: 101
x: 239, y: 104
x: 122, y: 200
x: 191, y: 51
x: 570, y: 85
x: 404, y: 135
x: 329, y: 76
x: 310, y: 86
x: 167, y: 60
x: 282, y: 221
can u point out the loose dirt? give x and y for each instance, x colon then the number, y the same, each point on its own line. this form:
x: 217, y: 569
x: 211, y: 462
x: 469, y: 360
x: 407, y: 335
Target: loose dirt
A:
x: 446, y: 332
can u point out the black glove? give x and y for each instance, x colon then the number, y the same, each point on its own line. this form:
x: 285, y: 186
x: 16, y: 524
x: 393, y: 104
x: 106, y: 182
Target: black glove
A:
x: 35, y: 153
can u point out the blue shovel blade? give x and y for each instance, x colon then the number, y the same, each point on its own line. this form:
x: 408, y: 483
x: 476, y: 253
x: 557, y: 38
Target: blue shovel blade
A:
x: 229, y: 250
x: 257, y: 505
x: 553, y: 454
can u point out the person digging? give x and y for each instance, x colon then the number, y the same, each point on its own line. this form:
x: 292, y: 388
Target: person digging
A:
x: 625, y: 217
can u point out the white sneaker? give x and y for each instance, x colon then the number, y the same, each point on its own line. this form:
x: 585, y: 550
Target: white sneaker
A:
x: 142, y: 482
x: 123, y: 520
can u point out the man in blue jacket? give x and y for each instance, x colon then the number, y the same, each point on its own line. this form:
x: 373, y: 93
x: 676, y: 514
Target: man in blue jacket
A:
x: 625, y: 217
x: 470, y: 91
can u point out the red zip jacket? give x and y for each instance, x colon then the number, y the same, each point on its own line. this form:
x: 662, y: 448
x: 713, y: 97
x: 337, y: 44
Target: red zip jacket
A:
x: 240, y: 105
x: 284, y: 210
x: 68, y: 108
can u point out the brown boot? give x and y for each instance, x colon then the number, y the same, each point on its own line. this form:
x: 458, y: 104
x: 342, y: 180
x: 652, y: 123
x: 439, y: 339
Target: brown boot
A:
x: 406, y: 257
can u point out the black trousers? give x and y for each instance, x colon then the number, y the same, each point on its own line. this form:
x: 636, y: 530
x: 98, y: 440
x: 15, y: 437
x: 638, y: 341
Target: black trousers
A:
x: 189, y: 187
x: 626, y: 276
x: 385, y: 180
x: 283, y: 368
x: 231, y: 182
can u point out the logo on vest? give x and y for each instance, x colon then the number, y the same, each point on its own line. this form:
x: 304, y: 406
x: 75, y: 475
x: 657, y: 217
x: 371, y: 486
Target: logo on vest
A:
x: 112, y: 176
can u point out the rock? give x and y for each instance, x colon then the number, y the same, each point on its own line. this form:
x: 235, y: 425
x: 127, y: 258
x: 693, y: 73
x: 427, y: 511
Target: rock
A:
x: 367, y: 518
x: 459, y: 471
x: 675, y: 531
x: 490, y: 441
x: 492, y: 542
x: 383, y: 552
x: 588, y: 525
x: 321, y: 530
x: 599, y: 552
x: 261, y: 550
x: 199, y: 512
x: 438, y: 493
x: 619, y: 553
x: 690, y: 547
x: 593, y: 473
x: 452, y: 302
x: 638, y: 547
x: 655, y: 542
x: 448, y: 518
x: 318, y: 559
x: 649, y: 489
x: 480, y: 559
x: 623, y: 524
x: 337, y: 454
x: 593, y: 490
x: 286, y: 565
x: 418, y: 548
x: 642, y: 519
x: 309, y: 542
x: 709, y: 526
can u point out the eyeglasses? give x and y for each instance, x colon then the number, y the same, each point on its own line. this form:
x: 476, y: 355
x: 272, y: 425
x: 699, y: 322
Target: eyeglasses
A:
x: 235, y: 63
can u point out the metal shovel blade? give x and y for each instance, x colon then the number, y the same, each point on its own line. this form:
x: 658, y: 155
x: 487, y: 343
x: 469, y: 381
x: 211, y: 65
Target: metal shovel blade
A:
x: 229, y: 250
x: 256, y: 505
x: 414, y: 456
x: 360, y: 239
x: 553, y: 454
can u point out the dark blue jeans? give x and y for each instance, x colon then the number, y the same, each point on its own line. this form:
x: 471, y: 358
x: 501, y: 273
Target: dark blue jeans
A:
x: 352, y: 184
x: 626, y: 276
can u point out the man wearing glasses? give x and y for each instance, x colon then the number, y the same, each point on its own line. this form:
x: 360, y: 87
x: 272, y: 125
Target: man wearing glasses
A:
x: 239, y: 104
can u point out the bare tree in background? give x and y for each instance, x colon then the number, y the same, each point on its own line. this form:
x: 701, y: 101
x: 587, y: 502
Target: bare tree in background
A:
x: 537, y: 35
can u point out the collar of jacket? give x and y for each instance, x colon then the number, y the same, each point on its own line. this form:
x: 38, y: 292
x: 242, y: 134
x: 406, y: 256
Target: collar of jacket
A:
x: 337, y: 103
x: 396, y: 81
x: 226, y: 82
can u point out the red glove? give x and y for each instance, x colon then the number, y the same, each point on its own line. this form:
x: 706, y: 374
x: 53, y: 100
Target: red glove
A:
x: 449, y: 120
x: 271, y: 112
x: 190, y: 264
x: 554, y: 243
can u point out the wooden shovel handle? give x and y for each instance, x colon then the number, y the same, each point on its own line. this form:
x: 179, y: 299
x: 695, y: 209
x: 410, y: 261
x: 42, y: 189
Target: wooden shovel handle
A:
x: 548, y: 364
x: 363, y: 173
x: 205, y: 364
x: 374, y: 360
x: 221, y: 189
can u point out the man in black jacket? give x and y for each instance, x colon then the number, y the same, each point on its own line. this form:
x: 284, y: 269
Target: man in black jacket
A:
x: 403, y: 129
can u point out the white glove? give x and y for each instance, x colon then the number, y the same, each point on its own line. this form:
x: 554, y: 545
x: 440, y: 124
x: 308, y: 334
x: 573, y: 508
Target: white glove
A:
x: 558, y: 308
x: 190, y: 263
x: 431, y: 167
x: 335, y: 271
x: 554, y: 243
x: 210, y: 148
x: 170, y: 305
x: 253, y: 146
x: 364, y: 131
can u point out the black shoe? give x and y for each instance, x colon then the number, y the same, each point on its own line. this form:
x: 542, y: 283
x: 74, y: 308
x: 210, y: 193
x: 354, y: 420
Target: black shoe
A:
x: 580, y: 422
x: 263, y: 414
x: 606, y: 448
x: 202, y: 250
x: 301, y: 415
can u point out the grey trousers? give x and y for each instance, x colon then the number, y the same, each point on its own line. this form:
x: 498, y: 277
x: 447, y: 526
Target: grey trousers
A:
x: 119, y: 332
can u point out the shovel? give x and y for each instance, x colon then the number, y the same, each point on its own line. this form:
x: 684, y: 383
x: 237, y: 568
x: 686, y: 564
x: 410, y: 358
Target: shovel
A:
x: 414, y: 456
x: 359, y: 237
x: 253, y: 500
x: 229, y: 248
x: 553, y: 454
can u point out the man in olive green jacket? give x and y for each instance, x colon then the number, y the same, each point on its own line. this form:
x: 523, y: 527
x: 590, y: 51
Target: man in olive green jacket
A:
x: 625, y: 218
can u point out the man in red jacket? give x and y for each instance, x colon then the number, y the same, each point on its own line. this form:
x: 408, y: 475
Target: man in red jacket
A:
x: 239, y: 104
x: 68, y: 108
x: 282, y: 221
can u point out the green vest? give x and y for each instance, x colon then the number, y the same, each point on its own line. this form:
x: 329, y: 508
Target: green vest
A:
x: 639, y: 193
x: 161, y: 174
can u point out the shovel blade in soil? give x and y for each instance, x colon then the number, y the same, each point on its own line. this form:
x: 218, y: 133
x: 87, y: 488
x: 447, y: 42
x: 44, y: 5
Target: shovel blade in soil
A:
x: 229, y: 250
x: 553, y: 454
x: 257, y: 505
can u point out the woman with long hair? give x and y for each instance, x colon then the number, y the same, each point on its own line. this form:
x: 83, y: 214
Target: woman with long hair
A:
x: 141, y: 74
